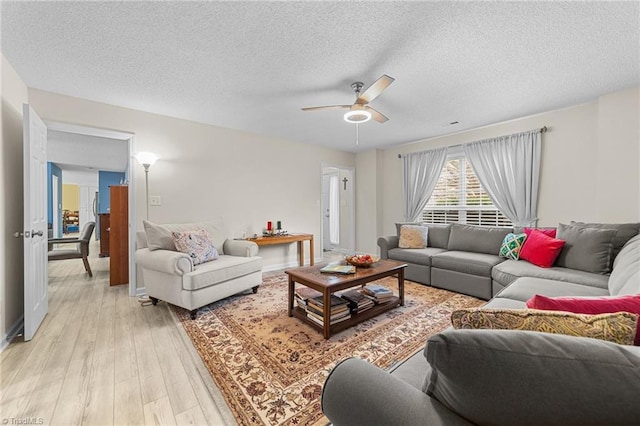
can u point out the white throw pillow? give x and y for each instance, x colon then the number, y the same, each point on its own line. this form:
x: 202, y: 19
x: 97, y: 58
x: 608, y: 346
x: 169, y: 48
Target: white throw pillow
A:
x: 413, y: 236
x: 158, y: 237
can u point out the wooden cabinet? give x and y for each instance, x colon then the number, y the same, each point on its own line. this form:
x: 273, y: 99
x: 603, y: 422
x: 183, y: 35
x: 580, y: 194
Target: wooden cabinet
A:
x: 103, y: 218
x: 119, y: 235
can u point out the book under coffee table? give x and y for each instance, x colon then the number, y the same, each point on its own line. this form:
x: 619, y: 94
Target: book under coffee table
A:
x: 328, y: 284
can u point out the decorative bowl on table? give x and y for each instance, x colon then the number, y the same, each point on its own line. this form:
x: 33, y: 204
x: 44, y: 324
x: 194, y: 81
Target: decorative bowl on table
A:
x: 365, y: 260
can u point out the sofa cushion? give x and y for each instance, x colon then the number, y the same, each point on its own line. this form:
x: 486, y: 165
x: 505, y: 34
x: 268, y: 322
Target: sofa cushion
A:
x: 466, y: 262
x: 525, y: 378
x: 511, y: 245
x: 589, y: 305
x: 624, y: 232
x: 478, y: 239
x: 541, y: 249
x: 438, y: 235
x: 503, y: 303
x: 159, y: 237
x: 197, y: 244
x: 414, y: 370
x: 625, y: 277
x: 510, y: 270
x: 223, y: 269
x: 418, y: 256
x: 141, y: 240
x: 525, y: 288
x: 586, y: 249
x: 413, y: 236
x: 619, y: 327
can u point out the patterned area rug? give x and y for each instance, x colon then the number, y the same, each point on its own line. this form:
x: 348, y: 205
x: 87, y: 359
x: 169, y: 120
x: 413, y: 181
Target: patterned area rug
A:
x: 271, y: 368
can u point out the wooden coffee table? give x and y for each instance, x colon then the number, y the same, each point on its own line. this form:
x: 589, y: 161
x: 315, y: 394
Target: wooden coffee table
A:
x: 327, y: 284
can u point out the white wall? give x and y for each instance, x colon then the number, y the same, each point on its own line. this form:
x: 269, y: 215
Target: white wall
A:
x: 99, y: 153
x: 368, y: 200
x: 347, y: 210
x: 80, y: 177
x: 618, y: 184
x: 213, y: 173
x: 590, y: 162
x: 14, y: 94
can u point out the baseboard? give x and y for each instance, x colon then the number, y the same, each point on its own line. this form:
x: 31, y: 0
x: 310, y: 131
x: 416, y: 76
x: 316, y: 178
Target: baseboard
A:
x: 140, y: 291
x: 279, y: 266
x: 15, y: 330
x: 294, y: 264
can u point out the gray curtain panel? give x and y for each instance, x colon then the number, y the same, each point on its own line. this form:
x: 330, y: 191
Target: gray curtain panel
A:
x: 421, y: 171
x: 508, y: 168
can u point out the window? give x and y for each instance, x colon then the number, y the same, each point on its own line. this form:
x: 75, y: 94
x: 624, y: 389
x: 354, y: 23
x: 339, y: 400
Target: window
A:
x: 459, y: 197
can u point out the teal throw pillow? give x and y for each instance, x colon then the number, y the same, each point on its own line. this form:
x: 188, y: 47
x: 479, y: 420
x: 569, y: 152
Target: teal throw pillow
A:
x: 511, y: 246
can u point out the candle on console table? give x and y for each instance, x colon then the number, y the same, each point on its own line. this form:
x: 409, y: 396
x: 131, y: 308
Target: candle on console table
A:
x: 269, y: 226
x: 279, y: 226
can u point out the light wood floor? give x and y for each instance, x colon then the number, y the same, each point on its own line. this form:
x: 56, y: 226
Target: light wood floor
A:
x: 102, y: 358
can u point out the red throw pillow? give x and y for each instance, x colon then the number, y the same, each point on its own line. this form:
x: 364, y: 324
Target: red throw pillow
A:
x: 550, y: 232
x: 540, y: 249
x: 591, y: 305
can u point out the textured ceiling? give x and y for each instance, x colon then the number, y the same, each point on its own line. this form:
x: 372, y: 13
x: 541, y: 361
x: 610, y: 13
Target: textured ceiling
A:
x: 253, y: 65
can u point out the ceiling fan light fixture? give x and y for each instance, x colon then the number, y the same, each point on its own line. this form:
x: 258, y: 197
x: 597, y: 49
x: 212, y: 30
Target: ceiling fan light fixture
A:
x: 357, y: 116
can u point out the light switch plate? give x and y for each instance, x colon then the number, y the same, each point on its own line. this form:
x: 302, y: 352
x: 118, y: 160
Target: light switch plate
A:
x: 155, y: 200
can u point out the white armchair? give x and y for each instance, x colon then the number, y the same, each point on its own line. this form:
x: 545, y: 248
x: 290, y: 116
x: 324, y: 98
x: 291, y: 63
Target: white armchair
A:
x: 171, y: 276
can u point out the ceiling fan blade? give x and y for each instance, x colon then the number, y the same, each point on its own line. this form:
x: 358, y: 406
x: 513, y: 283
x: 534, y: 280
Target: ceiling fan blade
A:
x: 376, y: 115
x: 326, y: 107
x: 375, y: 89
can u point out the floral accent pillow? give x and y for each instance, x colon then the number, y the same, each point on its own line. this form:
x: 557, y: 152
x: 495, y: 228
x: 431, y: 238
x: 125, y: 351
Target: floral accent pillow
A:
x: 617, y: 327
x: 511, y: 246
x: 197, y: 244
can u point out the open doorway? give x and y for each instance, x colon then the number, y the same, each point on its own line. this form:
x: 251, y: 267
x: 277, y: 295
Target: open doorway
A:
x: 337, y: 208
x: 88, y: 161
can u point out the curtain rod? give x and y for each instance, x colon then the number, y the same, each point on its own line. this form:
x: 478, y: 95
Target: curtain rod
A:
x: 543, y: 129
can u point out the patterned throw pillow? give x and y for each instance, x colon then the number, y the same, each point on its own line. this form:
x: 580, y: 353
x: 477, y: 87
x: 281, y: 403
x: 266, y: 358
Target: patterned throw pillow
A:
x: 511, y: 246
x: 197, y: 244
x: 618, y: 327
x: 589, y: 305
x: 413, y: 236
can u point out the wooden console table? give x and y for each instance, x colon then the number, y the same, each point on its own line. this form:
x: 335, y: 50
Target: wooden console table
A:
x: 287, y: 239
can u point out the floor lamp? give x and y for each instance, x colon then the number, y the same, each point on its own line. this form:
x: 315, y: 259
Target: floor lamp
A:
x: 146, y: 159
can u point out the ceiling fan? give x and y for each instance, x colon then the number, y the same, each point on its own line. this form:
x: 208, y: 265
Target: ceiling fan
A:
x: 360, y: 111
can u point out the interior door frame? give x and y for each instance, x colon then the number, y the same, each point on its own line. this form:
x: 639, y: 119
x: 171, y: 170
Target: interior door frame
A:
x: 131, y: 139
x: 352, y: 203
x: 55, y: 212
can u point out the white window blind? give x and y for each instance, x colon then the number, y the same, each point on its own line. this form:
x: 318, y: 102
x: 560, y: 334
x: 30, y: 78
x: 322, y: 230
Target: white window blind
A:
x: 459, y: 197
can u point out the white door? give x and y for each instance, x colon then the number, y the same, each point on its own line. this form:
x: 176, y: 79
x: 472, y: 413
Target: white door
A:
x: 36, y: 297
x: 87, y: 198
x: 326, y: 243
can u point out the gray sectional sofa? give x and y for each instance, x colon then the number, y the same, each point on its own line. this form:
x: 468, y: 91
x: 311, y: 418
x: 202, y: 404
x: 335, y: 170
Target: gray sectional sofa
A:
x: 501, y: 377
x: 458, y: 257
x: 464, y: 258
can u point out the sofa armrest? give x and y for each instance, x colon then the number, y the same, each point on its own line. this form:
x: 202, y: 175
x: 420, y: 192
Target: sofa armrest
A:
x: 240, y: 248
x: 357, y: 392
x: 167, y: 261
x: 386, y: 244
